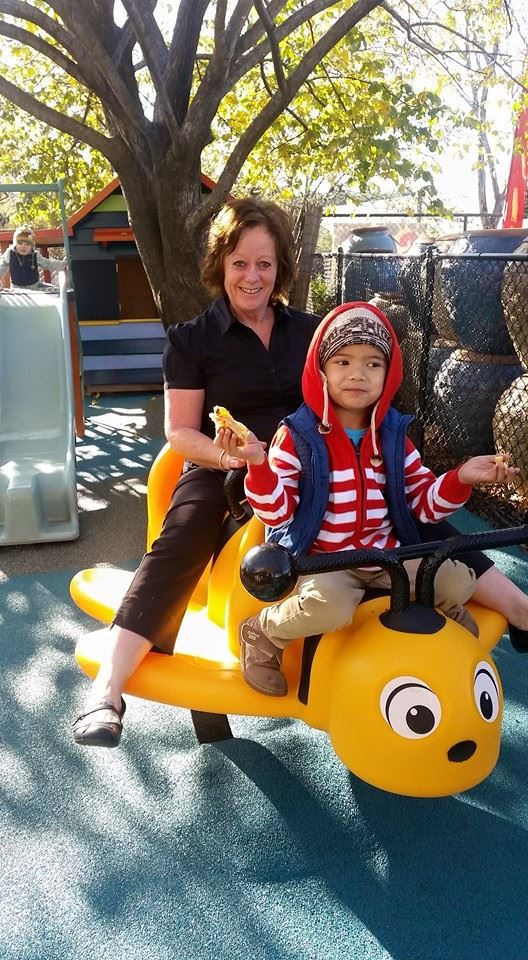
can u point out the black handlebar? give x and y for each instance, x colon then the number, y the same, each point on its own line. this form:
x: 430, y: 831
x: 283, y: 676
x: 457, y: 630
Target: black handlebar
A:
x: 234, y: 493
x: 270, y: 571
x: 444, y: 550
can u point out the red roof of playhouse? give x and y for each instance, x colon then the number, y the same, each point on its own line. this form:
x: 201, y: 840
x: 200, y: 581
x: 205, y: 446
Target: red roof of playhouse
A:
x: 53, y: 237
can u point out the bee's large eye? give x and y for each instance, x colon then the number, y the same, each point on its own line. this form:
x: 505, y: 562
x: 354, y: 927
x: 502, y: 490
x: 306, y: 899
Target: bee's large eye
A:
x: 410, y: 707
x: 486, y: 691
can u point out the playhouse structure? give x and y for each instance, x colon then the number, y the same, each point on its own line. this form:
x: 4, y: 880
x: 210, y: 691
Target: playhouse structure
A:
x: 121, y: 334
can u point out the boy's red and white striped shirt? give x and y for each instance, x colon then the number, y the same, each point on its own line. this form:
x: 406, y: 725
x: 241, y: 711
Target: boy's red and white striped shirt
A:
x: 356, y: 515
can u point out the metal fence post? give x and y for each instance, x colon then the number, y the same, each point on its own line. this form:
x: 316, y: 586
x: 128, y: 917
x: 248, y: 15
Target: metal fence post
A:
x: 339, y: 276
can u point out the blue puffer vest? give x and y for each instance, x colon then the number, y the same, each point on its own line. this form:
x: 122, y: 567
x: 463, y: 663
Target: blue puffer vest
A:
x: 300, y: 532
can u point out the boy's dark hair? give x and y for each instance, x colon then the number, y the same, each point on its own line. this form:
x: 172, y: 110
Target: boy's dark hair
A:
x: 226, y: 230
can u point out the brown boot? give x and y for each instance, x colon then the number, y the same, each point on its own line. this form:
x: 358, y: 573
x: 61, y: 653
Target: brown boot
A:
x: 260, y: 660
x: 464, y: 618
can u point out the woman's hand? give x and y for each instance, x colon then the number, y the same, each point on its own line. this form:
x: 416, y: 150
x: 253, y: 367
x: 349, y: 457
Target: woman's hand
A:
x: 183, y: 417
x: 487, y: 469
x: 236, y: 455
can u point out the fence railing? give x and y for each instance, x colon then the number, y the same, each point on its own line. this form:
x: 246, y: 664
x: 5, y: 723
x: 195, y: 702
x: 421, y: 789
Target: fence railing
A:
x: 462, y: 325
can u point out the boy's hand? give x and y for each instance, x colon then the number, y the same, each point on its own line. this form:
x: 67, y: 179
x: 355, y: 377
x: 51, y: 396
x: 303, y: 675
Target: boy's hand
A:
x: 251, y: 451
x: 494, y: 468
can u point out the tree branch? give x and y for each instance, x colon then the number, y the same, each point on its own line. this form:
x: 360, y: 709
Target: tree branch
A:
x: 250, y: 38
x: 277, y: 103
x: 271, y: 31
x: 213, y: 89
x: 127, y: 41
x: 413, y: 36
x: 330, y: 80
x: 83, y: 70
x: 292, y: 23
x: 156, y: 58
x: 199, y: 115
x: 23, y: 11
x: 41, y: 46
x: 219, y: 23
x: 485, y: 154
x: 237, y: 20
x: 182, y: 53
x: 508, y: 12
x: 91, y: 41
x: 289, y: 110
x: 55, y: 119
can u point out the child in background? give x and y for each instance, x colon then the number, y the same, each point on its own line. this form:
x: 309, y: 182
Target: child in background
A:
x: 358, y: 483
x: 23, y: 262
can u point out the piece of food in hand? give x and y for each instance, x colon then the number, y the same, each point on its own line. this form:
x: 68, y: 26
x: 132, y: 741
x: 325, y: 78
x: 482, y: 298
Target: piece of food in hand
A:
x: 222, y: 419
x: 502, y: 459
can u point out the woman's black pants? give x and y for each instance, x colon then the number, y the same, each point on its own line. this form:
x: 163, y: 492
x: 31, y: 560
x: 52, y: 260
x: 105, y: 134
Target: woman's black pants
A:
x: 157, y: 598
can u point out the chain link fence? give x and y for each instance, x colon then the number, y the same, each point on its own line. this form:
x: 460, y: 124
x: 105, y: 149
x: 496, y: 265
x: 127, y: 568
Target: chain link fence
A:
x: 462, y: 324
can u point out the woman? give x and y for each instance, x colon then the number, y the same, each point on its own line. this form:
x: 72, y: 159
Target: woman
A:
x: 246, y: 352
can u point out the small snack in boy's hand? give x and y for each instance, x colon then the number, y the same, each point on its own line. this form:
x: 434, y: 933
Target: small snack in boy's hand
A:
x: 222, y: 419
x: 502, y: 459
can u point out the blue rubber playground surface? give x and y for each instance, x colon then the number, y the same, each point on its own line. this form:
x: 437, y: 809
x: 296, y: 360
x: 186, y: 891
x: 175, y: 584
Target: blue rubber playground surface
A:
x: 263, y: 846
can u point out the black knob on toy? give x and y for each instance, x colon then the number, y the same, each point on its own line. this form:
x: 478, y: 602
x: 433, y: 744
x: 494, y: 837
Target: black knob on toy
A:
x: 267, y: 572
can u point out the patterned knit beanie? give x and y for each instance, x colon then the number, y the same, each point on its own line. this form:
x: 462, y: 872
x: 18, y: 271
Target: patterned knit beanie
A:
x: 24, y: 233
x: 359, y: 324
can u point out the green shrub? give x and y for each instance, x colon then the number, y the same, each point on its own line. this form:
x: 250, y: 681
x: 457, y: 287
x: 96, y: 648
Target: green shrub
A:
x: 322, y: 297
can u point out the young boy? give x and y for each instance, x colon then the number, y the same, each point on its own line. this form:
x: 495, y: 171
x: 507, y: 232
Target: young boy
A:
x: 359, y: 486
x: 23, y: 261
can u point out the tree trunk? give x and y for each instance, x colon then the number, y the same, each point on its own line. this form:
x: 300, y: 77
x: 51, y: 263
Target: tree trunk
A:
x: 307, y: 221
x: 159, y: 214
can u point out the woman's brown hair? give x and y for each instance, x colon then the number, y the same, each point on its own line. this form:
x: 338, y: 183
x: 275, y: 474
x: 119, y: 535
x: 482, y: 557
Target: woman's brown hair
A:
x: 225, y: 232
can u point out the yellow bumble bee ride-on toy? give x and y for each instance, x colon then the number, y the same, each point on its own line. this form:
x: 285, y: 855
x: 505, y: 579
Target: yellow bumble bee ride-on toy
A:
x: 412, y: 702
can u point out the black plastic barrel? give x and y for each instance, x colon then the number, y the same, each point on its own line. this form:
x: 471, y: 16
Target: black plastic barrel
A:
x: 369, y: 266
x: 514, y: 296
x: 465, y: 392
x: 394, y: 308
x: 373, y: 239
x: 471, y: 290
x: 510, y: 430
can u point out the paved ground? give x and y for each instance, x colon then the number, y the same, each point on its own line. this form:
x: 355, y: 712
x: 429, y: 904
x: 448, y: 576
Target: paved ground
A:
x: 123, y: 434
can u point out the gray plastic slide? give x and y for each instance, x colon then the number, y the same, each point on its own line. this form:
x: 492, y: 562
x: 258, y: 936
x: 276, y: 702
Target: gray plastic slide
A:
x: 38, y: 495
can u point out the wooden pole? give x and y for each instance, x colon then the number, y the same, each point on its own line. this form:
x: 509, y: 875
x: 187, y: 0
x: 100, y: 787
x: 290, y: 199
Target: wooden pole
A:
x: 78, y: 398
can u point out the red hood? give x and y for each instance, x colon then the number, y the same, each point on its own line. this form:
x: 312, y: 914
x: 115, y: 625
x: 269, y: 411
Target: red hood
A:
x: 312, y: 384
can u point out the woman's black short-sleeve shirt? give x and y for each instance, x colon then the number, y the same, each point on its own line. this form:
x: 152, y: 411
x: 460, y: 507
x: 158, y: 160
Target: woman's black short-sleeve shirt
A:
x: 218, y: 354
